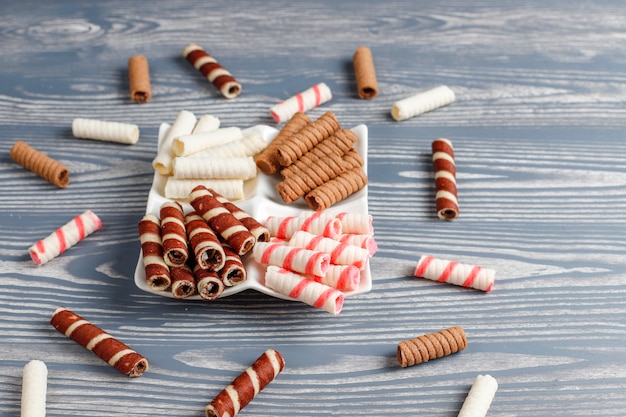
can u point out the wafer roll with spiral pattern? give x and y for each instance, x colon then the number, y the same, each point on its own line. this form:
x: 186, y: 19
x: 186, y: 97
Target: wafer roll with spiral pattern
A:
x: 206, y: 246
x: 173, y: 234
x: 456, y: 273
x: 234, y: 272
x: 40, y: 164
x: 283, y: 227
x: 158, y: 276
x: 445, y: 179
x: 221, y: 78
x: 337, y: 189
x: 431, y: 346
x: 267, y: 159
x: 260, y: 232
x: 210, y: 285
x: 183, y: 282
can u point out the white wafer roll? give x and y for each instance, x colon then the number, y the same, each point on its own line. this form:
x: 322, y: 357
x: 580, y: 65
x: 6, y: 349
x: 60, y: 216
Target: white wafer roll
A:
x: 179, y: 189
x: 214, y: 167
x: 186, y: 145
x: 34, y: 388
x: 206, y: 123
x: 251, y: 144
x: 480, y: 396
x: 183, y: 125
x: 340, y: 253
x: 126, y: 133
x: 422, y: 102
x: 284, y: 227
x: 308, y: 291
x: 294, y: 259
x: 301, y: 102
x: 455, y: 273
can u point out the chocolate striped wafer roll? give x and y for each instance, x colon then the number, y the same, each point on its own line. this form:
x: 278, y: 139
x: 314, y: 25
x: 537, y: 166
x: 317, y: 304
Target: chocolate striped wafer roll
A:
x: 158, y: 276
x: 304, y: 261
x: 340, y: 253
x: 260, y: 232
x: 139, y: 79
x: 212, y: 70
x: 183, y: 282
x: 452, y: 272
x: 173, y: 234
x: 431, y: 346
x: 210, y: 285
x: 221, y: 220
x: 283, y: 227
x: 234, y: 272
x: 337, y: 189
x: 206, y: 246
x: 445, y: 179
x: 302, y: 102
x: 246, y: 386
x: 41, y: 164
x: 267, y: 159
x: 102, y: 344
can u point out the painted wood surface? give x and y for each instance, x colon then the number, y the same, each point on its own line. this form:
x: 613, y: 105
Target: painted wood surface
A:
x: 538, y: 129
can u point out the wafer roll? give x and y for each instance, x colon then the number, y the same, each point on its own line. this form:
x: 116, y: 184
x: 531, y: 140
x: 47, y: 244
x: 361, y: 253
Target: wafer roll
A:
x: 452, y: 272
x: 102, y: 344
x: 158, y: 276
x: 214, y: 167
x: 139, y: 79
x: 124, y: 133
x: 183, y: 125
x: 258, y: 230
x: 206, y: 123
x: 356, y: 223
x: 34, y: 389
x: 173, y: 234
x: 246, y: 386
x: 341, y: 277
x: 65, y: 237
x: 206, y: 246
x: 283, y: 227
x: 337, y: 189
x: 365, y: 73
x: 267, y: 159
x: 295, y: 259
x: 212, y: 70
x: 431, y: 346
x: 364, y: 241
x: 210, y: 285
x: 185, y: 145
x: 180, y: 189
x: 445, y: 179
x: 39, y: 163
x: 301, y: 102
x: 340, y: 253
x: 251, y: 143
x: 183, y: 282
x: 234, y: 272
x: 479, y: 397
x: 422, y: 103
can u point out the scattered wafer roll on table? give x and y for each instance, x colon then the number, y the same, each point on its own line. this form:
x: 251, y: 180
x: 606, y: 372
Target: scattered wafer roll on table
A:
x: 158, y: 276
x: 222, y: 79
x: 446, y: 198
x: 422, y: 102
x: 107, y: 131
x: 103, y: 345
x: 365, y: 73
x: 173, y: 234
x: 302, y: 102
x: 479, y: 397
x: 139, y: 79
x: 431, y: 346
x: 41, y: 164
x: 34, y: 389
x: 456, y: 273
x: 267, y: 159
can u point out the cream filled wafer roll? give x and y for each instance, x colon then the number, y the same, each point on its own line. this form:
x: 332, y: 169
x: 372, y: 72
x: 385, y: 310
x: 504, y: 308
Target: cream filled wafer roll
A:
x: 246, y: 386
x: 206, y: 246
x: 364, y: 241
x: 283, y: 227
x: 186, y: 145
x: 210, y: 285
x: 296, y: 286
x: 214, y: 167
x: 422, y: 103
x: 365, y: 74
x: 304, y: 261
x: 206, y: 123
x: 337, y: 189
x: 445, y: 179
x: 260, y: 232
x: 221, y: 220
x: 267, y: 160
x: 126, y: 133
x: 180, y: 189
x: 479, y: 397
x: 250, y: 144
x: 183, y: 282
x: 302, y: 102
x: 173, y: 234
x: 183, y: 125
x: 99, y: 342
x: 431, y: 346
x: 212, y: 70
x: 355, y: 223
x: 34, y: 389
x: 234, y: 272
x: 65, y: 237
x: 340, y: 253
x: 452, y: 272
x: 342, y: 277
x: 158, y: 276
x: 41, y: 164
x: 139, y: 79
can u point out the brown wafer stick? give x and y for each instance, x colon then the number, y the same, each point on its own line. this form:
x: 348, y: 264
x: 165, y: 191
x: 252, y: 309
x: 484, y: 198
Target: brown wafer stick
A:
x: 342, y: 186
x: 309, y: 136
x: 267, y: 160
x: 139, y: 79
x: 158, y: 276
x: 102, y: 344
x: 246, y: 386
x: 234, y: 271
x: 445, y: 179
x: 173, y: 234
x: 41, y: 164
x: 367, y: 85
x: 431, y: 346
x: 353, y: 159
x: 183, y: 282
x: 206, y: 246
x: 260, y: 232
x: 210, y: 285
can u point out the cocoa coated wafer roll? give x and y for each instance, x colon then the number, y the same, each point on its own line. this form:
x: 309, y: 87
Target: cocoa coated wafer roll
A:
x: 173, y: 234
x: 258, y: 230
x: 221, y: 220
x: 246, y: 386
x: 295, y: 259
x: 309, y: 136
x: 102, y: 344
x: 234, y: 272
x: 302, y: 102
x: 183, y: 282
x: 34, y: 389
x: 267, y: 160
x: 158, y: 276
x: 431, y: 346
x: 41, y: 164
x: 445, y: 179
x: 210, y: 286
x: 212, y: 70
x: 206, y: 246
x: 139, y: 79
x: 335, y: 190
x: 456, y: 273
x: 365, y: 73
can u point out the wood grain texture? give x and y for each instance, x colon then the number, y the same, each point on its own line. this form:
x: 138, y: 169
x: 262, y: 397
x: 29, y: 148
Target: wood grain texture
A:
x: 538, y: 132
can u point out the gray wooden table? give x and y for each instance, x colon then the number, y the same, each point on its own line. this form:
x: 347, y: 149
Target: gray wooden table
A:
x: 538, y: 128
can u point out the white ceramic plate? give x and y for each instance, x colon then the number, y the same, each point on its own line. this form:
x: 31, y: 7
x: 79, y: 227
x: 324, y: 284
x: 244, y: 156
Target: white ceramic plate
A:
x: 261, y: 200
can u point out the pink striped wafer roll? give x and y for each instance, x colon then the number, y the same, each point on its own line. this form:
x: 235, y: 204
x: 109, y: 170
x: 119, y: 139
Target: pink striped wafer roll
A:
x: 455, y: 273
x: 303, y: 289
x: 363, y: 241
x: 212, y: 70
x: 285, y: 227
x: 356, y: 223
x: 301, y: 102
x: 158, y: 276
x: 343, y: 277
x: 295, y: 259
x: 65, y: 237
x: 340, y: 253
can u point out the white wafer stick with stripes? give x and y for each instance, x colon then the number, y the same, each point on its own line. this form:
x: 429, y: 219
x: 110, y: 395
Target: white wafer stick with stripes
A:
x: 302, y: 102
x: 452, y: 272
x: 284, y: 227
x: 294, y: 259
x: 340, y: 253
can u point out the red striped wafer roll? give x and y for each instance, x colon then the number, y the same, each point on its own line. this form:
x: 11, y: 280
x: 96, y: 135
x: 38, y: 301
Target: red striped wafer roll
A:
x: 205, y: 244
x: 183, y: 282
x: 296, y: 286
x: 341, y: 277
x: 260, y: 232
x: 358, y: 223
x: 294, y: 259
x: 246, y: 386
x: 452, y: 272
x: 212, y: 70
x: 445, y: 179
x: 301, y: 102
x: 340, y: 253
x: 363, y: 241
x: 285, y: 227
x: 173, y: 234
x: 65, y: 237
x: 210, y: 285
x: 221, y: 220
x: 102, y: 344
x: 158, y: 276
x: 234, y: 272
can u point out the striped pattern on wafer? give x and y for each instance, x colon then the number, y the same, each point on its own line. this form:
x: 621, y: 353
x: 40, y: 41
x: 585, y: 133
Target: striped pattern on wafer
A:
x: 295, y: 259
x: 283, y: 227
x: 158, y: 276
x: 302, y: 102
x: 222, y: 79
x: 337, y: 189
x: 210, y: 286
x: 258, y: 230
x: 183, y: 282
x: 445, y: 179
x: 41, y: 164
x: 267, y: 159
x: 456, y: 273
x: 234, y: 272
x: 340, y: 253
x: 173, y: 234
x: 205, y: 244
